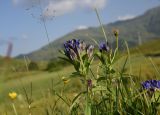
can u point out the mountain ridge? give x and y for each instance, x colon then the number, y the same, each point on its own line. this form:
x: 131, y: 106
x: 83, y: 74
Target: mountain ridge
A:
x: 145, y: 27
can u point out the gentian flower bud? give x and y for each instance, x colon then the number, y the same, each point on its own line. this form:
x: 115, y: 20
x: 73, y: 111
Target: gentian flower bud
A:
x: 89, y: 83
x: 82, y: 46
x: 90, y: 51
x: 104, y: 47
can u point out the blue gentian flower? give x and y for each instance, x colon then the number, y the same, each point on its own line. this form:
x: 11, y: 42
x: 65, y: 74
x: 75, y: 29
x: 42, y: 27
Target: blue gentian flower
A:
x: 76, y: 48
x: 151, y: 84
x: 158, y: 84
x: 71, y: 48
x: 146, y: 84
x: 104, y: 47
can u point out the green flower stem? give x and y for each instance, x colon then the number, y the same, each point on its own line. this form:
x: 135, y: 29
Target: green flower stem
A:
x: 116, y: 50
x: 14, y: 108
x: 83, y: 66
x: 117, y: 42
x: 88, y: 105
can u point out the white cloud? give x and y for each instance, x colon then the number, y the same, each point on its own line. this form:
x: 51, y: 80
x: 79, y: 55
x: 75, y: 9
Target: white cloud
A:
x: 82, y: 27
x: 126, y: 17
x: 65, y: 6
x: 24, y: 36
x: 60, y: 7
x: 94, y: 3
x: 27, y: 3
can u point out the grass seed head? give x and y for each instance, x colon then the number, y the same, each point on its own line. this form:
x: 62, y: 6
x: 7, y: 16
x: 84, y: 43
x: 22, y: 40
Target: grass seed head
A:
x: 116, y: 32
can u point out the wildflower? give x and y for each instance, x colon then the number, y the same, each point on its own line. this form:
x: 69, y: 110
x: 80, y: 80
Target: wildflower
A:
x: 89, y: 83
x: 158, y: 84
x: 79, y: 54
x: 12, y: 95
x: 90, y: 51
x: 71, y: 49
x: 81, y: 46
x: 151, y: 84
x: 65, y: 80
x: 104, y: 47
x: 146, y: 84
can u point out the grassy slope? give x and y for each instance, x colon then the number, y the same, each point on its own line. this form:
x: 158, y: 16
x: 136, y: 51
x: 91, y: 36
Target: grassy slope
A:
x: 151, y: 47
x: 148, y: 65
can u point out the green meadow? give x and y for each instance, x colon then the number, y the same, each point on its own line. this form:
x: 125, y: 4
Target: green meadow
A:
x: 38, y: 88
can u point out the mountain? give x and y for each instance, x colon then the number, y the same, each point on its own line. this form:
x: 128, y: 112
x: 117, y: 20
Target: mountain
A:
x: 142, y: 28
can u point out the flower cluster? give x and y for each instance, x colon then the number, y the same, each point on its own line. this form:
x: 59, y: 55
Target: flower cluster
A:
x: 76, y: 48
x: 71, y: 50
x: 151, y: 84
x: 79, y: 54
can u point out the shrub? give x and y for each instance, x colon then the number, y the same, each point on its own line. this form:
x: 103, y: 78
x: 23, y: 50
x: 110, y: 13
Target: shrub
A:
x: 55, y: 65
x: 33, y: 66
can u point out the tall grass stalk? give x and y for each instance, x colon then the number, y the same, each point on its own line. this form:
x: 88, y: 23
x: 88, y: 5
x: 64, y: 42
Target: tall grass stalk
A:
x: 101, y: 25
x: 14, y: 108
x: 26, y: 64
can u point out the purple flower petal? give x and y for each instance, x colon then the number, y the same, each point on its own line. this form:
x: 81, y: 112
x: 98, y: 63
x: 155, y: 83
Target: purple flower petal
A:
x: 104, y: 47
x: 158, y: 84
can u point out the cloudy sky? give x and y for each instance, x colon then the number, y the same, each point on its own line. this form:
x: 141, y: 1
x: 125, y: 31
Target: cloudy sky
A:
x: 21, y: 21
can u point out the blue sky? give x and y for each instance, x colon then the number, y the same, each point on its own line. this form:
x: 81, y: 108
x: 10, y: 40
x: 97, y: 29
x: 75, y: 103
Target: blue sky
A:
x: 20, y: 20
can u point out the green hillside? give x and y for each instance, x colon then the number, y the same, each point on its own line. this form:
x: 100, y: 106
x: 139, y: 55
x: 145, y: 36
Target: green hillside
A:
x: 151, y: 48
x: 134, y: 31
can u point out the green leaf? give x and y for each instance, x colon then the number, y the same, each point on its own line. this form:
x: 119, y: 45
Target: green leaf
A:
x: 75, y: 74
x: 66, y: 59
x: 76, y: 100
x: 62, y: 99
x: 62, y: 52
x: 76, y: 65
x: 101, y: 79
x: 88, y: 106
